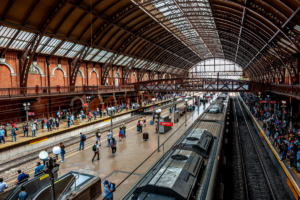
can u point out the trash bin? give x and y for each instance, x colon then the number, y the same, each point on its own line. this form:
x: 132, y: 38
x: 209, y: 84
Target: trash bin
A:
x: 145, y: 136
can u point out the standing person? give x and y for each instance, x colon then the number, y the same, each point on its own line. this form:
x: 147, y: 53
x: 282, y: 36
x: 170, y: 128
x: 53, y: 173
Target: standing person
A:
x: 121, y: 133
x: 96, y: 151
x: 98, y: 113
x: 72, y: 119
x: 80, y: 118
x: 95, y: 115
x: 25, y: 128
x: 82, y: 139
x: 21, y: 177
x: 145, y: 121
x: 33, y: 128
x: 2, y: 134
x: 62, y: 152
x: 69, y: 122
x: 58, y: 115
x: 124, y: 129
x: 57, y: 123
x: 108, y: 190
x: 23, y: 195
x: 49, y: 125
x: 153, y: 116
x: 138, y: 126
x: 90, y: 117
x: 3, y: 185
x: 292, y: 158
x: 101, y: 113
x: 156, y: 127
x: 77, y: 119
x: 13, y: 133
x: 109, y: 136
x: 113, y: 146
x: 98, y: 137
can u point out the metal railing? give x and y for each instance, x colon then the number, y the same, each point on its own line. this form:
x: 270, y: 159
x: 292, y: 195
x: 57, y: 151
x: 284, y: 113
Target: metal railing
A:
x: 42, y: 91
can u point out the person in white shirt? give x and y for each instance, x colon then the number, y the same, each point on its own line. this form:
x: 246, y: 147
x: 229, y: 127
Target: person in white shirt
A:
x: 96, y: 151
x: 109, y: 136
x: 3, y: 185
x: 33, y: 127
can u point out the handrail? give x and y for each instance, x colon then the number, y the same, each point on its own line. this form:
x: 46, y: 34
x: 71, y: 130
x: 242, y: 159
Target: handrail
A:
x: 68, y: 186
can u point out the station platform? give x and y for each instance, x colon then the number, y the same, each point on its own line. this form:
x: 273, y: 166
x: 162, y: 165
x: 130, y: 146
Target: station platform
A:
x: 290, y: 176
x: 133, y: 153
x: 44, y: 134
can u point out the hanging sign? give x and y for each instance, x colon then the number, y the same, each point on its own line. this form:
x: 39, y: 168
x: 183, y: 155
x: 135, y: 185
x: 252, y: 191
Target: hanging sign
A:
x: 263, y: 101
x: 85, y: 104
x: 273, y: 102
x: 30, y: 113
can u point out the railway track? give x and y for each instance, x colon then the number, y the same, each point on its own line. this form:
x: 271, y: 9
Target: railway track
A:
x: 260, y: 178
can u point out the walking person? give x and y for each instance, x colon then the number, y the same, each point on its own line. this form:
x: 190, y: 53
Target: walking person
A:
x: 2, y: 135
x: 80, y: 118
x: 96, y: 151
x: 292, y: 158
x: 109, y: 136
x: 82, y: 139
x: 25, y: 129
x: 33, y: 128
x: 156, y: 127
x: 138, y: 126
x: 124, y: 129
x: 13, y: 133
x: 141, y: 126
x: 145, y: 121
x: 113, y: 146
x: 108, y: 190
x: 121, y: 133
x: 62, y: 152
x: 98, y: 137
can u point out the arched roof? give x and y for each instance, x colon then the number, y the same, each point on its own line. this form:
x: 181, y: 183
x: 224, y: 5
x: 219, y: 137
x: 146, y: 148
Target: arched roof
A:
x: 157, y: 35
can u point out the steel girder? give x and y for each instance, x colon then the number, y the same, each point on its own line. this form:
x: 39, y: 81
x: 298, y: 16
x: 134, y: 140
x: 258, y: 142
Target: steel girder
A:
x: 29, y: 54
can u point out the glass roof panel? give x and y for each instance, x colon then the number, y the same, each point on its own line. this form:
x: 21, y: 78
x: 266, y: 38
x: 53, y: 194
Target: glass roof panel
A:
x: 75, y: 51
x: 6, y: 34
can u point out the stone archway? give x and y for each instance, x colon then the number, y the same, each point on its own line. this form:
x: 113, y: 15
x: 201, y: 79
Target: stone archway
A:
x: 76, y: 98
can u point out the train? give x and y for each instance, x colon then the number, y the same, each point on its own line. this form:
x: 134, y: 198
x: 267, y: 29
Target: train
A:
x: 189, y: 169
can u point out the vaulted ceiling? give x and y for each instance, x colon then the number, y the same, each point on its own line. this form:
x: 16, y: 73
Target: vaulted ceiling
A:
x: 158, y: 35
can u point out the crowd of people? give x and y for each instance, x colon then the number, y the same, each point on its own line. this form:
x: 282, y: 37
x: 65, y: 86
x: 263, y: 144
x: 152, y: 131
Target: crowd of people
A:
x: 281, y: 128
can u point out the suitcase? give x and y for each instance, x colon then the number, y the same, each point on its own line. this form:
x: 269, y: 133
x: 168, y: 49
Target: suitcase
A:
x: 145, y: 136
x: 151, y: 122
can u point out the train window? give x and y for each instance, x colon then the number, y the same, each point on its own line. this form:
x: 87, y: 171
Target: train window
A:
x: 213, y: 110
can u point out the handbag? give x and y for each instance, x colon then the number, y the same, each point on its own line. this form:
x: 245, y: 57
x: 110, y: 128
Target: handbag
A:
x: 15, y: 132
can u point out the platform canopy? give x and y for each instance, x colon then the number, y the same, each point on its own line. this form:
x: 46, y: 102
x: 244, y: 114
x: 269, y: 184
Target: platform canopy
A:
x: 167, y: 36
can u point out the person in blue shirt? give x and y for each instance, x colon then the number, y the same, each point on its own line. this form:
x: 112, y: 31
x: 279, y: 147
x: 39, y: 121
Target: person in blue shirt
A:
x: 108, y: 190
x: 39, y: 168
x: 2, y: 132
x: 23, y: 195
x: 95, y: 115
x: 81, y: 142
x: 13, y: 130
x: 21, y: 177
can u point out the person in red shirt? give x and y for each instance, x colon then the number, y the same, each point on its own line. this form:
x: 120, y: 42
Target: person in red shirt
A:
x: 90, y: 117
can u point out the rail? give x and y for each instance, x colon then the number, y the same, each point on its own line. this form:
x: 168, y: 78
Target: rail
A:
x: 45, y: 91
x: 256, y: 151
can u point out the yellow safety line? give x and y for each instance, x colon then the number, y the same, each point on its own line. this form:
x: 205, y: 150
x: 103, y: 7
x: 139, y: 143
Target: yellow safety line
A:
x: 275, y: 153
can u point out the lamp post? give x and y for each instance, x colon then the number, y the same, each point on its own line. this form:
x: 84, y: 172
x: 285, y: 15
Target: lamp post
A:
x: 110, y: 113
x: 51, y: 166
x: 158, y: 112
x: 88, y: 98
x: 186, y: 100
x: 26, y: 108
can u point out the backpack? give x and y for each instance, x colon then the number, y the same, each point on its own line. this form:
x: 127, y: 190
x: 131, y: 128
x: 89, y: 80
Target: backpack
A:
x: 26, y: 176
x: 112, y: 144
x: 83, y: 137
x: 114, y: 186
x: 94, y: 148
x: 122, y: 132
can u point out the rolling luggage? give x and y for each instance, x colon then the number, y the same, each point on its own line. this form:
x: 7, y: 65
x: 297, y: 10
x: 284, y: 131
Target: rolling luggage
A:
x: 145, y: 136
